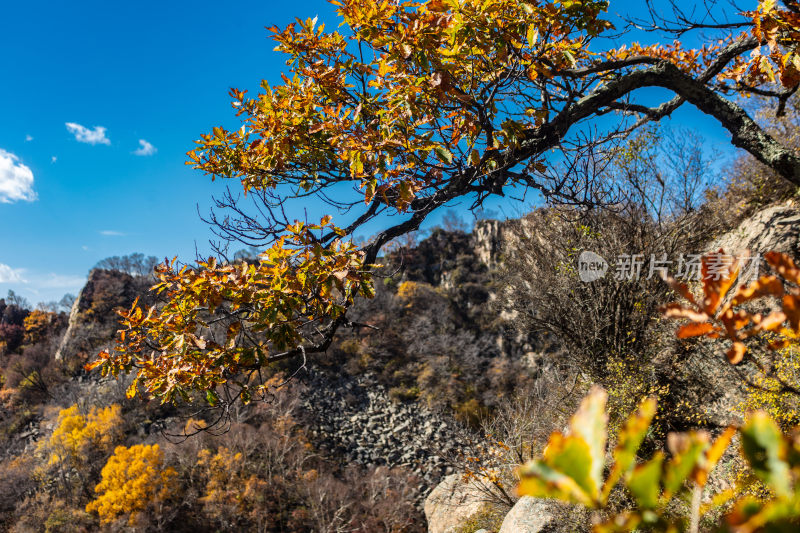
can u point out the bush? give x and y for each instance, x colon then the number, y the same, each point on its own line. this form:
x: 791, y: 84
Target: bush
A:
x: 667, y: 490
x: 597, y: 321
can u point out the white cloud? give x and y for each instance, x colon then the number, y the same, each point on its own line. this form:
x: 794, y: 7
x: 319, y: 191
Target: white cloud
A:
x: 112, y: 233
x: 53, y: 159
x: 10, y: 275
x: 85, y: 135
x: 39, y: 286
x: 16, y: 179
x: 145, y: 148
x: 28, y: 138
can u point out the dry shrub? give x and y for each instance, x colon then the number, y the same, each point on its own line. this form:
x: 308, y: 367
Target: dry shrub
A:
x: 16, y: 482
x: 44, y: 513
x: 593, y: 321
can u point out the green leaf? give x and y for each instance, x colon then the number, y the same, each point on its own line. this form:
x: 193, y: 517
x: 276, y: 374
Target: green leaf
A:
x: 779, y: 516
x: 633, y: 433
x: 444, y: 155
x: 629, y: 440
x: 644, y: 482
x: 765, y: 449
x: 572, y: 456
x: 539, y: 480
x: 211, y: 397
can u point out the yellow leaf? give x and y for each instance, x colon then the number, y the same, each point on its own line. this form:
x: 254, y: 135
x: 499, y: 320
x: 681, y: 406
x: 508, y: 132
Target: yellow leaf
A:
x: 532, y: 35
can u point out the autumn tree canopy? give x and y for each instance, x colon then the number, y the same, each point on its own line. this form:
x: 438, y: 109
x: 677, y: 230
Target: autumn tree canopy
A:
x: 403, y: 108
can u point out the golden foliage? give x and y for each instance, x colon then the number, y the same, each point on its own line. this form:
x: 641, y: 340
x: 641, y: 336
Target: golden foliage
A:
x: 76, y: 436
x: 413, y: 104
x: 429, y: 57
x: 132, y: 479
x: 296, y: 282
x: 230, y: 493
x: 36, y: 325
x: 412, y: 292
x: 778, y: 59
x: 628, y: 382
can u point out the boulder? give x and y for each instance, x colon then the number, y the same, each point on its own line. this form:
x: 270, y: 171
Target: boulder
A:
x: 451, y: 503
x: 530, y: 515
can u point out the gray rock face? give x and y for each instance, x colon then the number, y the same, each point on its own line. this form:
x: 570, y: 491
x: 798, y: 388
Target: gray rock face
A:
x: 529, y: 515
x: 93, y: 322
x: 775, y: 228
x: 451, y: 504
x: 488, y: 237
x: 354, y: 419
x: 72, y: 327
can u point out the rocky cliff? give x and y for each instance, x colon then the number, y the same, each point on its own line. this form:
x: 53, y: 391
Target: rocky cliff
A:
x: 93, y: 318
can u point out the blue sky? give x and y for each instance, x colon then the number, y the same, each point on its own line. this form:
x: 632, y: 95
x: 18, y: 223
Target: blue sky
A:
x: 152, y: 71
x: 98, y: 105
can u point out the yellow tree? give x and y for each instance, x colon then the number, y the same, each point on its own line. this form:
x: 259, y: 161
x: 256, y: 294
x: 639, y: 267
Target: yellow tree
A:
x: 406, y: 107
x: 79, y: 440
x: 133, y: 480
x: 37, y: 324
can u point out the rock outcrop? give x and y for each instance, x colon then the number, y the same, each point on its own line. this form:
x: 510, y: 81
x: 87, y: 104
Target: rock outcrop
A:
x: 488, y: 237
x: 711, y: 383
x: 93, y: 321
x: 775, y: 228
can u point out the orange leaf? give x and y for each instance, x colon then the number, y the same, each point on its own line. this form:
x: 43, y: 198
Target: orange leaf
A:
x: 783, y: 265
x: 694, y: 330
x: 91, y: 366
x: 718, y: 278
x: 679, y: 311
x: 680, y: 288
x: 779, y: 345
x: 772, y: 321
x: 765, y: 285
x: 791, y: 306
